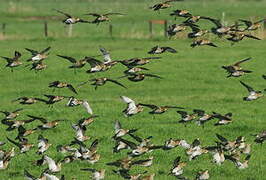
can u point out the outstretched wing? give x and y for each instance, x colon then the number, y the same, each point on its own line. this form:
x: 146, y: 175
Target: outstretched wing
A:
x: 221, y: 138
x: 87, y: 107
x: 107, y: 14
x: 94, y: 14
x: 106, y: 55
x: 71, y: 88
x: 117, y: 125
x: 33, y: 52
x: 93, y: 62
x: 45, y: 50
x: 70, y: 59
x: 250, y: 89
x: 116, y: 82
x: 247, y: 23
x: 152, y: 75
x: 152, y: 106
x: 66, y: 14
x: 217, y: 22
x: 169, y: 49
x: 244, y: 60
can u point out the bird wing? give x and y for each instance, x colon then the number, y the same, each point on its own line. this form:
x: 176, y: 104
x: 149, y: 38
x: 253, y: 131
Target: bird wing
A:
x: 71, y: 88
x: 45, y: 50
x: 107, y: 14
x: 33, y: 52
x: 176, y: 161
x: 199, y: 112
x: 28, y: 176
x: 93, y: 62
x: 217, y: 22
x: 146, y: 58
x: 169, y: 49
x: 17, y: 55
x: 50, y: 162
x: 195, y: 143
x: 17, y: 110
x: 94, y: 14
x: 13, y: 142
x: 152, y: 75
x: 182, y: 113
x: 43, y: 120
x: 262, y: 20
x: 248, y: 23
x: 152, y: 106
x: 129, y: 143
x: 66, y: 14
x: 253, y: 37
x: 94, y: 145
x: 221, y: 138
x: 87, y: 107
x: 71, y: 59
x: 117, y: 125
x: 241, y: 61
x: 250, y: 89
x: 88, y: 169
x: 116, y: 82
x: 106, y: 55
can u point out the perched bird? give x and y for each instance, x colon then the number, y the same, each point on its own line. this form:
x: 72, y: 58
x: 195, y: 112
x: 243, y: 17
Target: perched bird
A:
x: 162, y: 5
x: 139, y: 77
x: 159, y: 109
x: 71, y: 19
x: 132, y: 108
x: 159, y: 50
x: 251, y: 26
x: 37, y: 56
x: 253, y: 95
x: 102, y: 17
x: 11, y: 115
x: 14, y: 61
x: 201, y: 42
x: 101, y: 81
x: 58, y: 84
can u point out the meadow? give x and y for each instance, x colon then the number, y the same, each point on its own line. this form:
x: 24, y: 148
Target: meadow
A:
x: 192, y: 78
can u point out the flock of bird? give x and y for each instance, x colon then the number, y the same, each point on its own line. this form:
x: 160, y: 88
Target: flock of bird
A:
x: 237, y: 150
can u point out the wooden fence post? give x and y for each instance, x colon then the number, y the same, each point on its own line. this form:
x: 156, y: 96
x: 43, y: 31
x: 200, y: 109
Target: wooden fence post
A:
x: 165, y: 29
x: 111, y: 30
x: 150, y: 28
x: 45, y: 29
x: 4, y: 29
x: 70, y: 28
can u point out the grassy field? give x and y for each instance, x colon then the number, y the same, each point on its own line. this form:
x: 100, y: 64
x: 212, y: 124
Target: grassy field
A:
x: 192, y: 78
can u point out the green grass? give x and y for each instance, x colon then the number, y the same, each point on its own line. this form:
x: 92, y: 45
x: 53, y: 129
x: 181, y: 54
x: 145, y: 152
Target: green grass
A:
x: 192, y: 78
